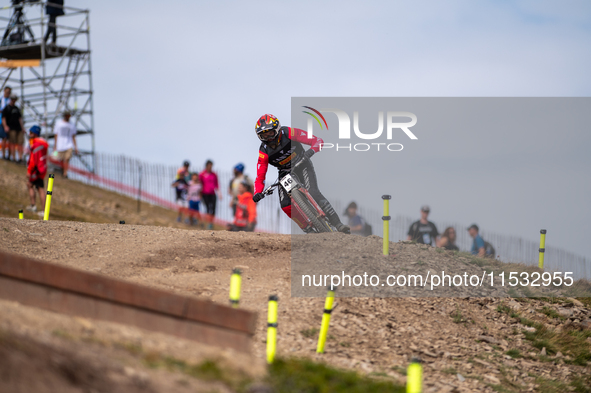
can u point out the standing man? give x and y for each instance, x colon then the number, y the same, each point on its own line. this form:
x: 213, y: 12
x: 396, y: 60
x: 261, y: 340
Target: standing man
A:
x: 53, y: 13
x: 12, y: 121
x: 423, y: 231
x: 210, y: 184
x: 65, y: 141
x: 3, y: 135
x: 37, y: 168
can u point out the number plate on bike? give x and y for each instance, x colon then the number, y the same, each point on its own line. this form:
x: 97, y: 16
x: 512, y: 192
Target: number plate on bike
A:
x: 288, y: 183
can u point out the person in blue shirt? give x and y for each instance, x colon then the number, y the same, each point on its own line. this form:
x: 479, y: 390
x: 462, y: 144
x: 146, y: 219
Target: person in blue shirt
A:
x: 356, y: 223
x: 478, y: 246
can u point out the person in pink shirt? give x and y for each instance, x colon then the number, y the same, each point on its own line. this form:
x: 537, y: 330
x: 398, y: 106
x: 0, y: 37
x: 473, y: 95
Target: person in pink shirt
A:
x: 210, y: 192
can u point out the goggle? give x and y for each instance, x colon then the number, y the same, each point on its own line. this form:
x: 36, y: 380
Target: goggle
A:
x: 266, y: 135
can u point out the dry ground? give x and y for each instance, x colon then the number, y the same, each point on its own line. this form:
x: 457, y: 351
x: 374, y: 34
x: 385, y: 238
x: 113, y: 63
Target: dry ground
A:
x: 468, y: 344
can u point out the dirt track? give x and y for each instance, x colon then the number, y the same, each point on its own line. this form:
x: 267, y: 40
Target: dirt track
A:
x: 367, y: 334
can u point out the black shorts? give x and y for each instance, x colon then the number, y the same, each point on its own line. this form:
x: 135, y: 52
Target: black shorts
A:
x: 38, y: 183
x: 209, y: 200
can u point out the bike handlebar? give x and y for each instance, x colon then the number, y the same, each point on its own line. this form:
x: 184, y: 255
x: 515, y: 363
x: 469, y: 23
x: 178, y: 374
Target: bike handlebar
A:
x: 269, y: 190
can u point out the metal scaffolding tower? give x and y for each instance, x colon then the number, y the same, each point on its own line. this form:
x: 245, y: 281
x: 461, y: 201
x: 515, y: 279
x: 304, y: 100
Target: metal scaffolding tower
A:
x: 50, y: 77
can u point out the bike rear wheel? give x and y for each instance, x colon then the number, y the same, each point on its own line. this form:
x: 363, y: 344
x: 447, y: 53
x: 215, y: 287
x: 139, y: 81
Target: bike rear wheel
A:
x: 320, y: 224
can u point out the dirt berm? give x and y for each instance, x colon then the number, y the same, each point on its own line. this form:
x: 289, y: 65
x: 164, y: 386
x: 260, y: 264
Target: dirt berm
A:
x: 466, y: 343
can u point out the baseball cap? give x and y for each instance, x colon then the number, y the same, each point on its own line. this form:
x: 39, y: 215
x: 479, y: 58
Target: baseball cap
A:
x: 425, y: 208
x: 473, y: 226
x: 13, y: 97
x: 35, y: 130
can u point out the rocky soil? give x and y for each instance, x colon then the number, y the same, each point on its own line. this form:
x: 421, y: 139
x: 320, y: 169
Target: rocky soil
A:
x: 466, y: 343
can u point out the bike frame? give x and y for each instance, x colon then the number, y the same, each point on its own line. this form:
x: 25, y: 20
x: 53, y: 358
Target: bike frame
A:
x: 297, y: 214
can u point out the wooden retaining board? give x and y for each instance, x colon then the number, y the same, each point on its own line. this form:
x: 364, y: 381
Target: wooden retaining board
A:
x: 75, y: 292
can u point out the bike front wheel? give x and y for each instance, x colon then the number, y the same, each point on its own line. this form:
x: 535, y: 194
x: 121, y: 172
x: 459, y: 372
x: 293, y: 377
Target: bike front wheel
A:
x: 320, y: 224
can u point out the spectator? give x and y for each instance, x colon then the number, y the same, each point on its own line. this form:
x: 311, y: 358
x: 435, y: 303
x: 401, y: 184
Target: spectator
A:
x: 239, y: 176
x: 37, y: 168
x: 3, y: 135
x: 423, y: 231
x: 480, y: 247
x: 12, y: 121
x: 209, y: 180
x: 448, y: 240
x: 181, y: 187
x: 194, y: 196
x: 65, y: 141
x: 356, y: 222
x: 53, y: 13
x: 246, y: 210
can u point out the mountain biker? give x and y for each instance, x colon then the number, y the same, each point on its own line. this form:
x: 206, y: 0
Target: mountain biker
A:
x: 282, y: 146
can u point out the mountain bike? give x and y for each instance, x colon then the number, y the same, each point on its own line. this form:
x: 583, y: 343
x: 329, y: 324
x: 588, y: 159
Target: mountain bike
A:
x: 304, y: 210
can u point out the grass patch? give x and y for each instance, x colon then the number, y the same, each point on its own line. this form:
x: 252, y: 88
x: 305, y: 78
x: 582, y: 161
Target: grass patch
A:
x: 399, y: 369
x: 345, y: 344
x: 569, y: 342
x: 302, y: 375
x: 582, y: 384
x: 457, y: 316
x: 551, y: 313
x: 514, y: 353
x: 208, y: 370
x: 62, y: 334
x: 551, y: 385
x: 309, y: 333
x: 450, y: 370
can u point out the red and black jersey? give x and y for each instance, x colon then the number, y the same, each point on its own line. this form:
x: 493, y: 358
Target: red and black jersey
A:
x: 289, y: 149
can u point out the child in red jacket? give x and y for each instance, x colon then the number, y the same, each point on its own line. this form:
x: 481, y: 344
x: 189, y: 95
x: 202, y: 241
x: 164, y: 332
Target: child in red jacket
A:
x: 37, y: 168
x: 246, y: 210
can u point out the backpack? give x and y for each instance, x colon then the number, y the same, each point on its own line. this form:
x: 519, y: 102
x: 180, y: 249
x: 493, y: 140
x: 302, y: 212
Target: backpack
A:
x: 489, y: 250
x: 367, y: 230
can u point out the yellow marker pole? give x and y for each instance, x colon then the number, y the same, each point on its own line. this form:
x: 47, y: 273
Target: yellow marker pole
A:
x: 20, y: 214
x: 235, y: 283
x: 542, y: 248
x: 48, y: 198
x: 325, y: 319
x: 414, y: 376
x: 386, y: 219
x: 272, y: 329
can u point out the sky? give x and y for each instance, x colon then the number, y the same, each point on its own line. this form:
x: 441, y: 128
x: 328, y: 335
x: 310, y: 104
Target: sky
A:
x: 180, y: 80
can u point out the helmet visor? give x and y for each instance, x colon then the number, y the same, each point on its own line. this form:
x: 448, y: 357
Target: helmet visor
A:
x: 267, y: 135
